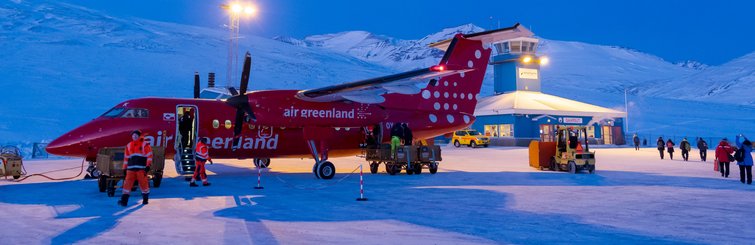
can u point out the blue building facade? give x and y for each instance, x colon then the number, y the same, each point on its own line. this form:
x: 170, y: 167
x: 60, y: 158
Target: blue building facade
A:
x: 519, y: 112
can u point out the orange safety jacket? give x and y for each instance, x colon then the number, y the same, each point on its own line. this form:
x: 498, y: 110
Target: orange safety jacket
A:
x: 202, y: 153
x: 138, y: 155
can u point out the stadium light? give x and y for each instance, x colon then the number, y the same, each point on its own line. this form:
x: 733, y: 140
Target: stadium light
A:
x: 544, y: 60
x: 527, y: 59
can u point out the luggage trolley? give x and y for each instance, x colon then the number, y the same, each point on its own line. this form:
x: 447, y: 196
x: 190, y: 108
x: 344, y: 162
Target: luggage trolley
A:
x: 410, y: 158
x: 110, y: 164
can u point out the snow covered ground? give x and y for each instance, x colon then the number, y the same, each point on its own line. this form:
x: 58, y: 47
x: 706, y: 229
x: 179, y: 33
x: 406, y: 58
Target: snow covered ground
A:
x: 479, y: 196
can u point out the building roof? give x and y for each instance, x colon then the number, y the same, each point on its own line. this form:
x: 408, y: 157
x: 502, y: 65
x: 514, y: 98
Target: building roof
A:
x: 536, y: 103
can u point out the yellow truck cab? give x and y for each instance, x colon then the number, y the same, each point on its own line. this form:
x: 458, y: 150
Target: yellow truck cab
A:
x: 469, y: 137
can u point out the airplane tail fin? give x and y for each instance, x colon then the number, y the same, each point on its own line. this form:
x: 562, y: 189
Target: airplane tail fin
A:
x: 458, y: 93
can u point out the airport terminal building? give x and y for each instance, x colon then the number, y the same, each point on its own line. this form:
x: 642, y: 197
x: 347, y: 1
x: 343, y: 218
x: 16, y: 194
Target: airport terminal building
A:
x: 519, y: 112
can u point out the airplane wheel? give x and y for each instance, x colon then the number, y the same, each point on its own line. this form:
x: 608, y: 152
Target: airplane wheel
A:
x: 553, y: 166
x: 390, y: 169
x: 102, y: 183
x: 157, y: 180
x: 326, y: 170
x: 262, y: 162
x: 433, y: 167
x: 457, y: 144
x: 409, y: 170
x: 572, y: 168
x: 374, y: 167
x: 417, y: 169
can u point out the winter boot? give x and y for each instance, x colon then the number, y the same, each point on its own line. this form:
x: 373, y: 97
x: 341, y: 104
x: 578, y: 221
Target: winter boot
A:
x: 192, y: 184
x: 206, y: 184
x: 124, y: 200
x: 145, y: 198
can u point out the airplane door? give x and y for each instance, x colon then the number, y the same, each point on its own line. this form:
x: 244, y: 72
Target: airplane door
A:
x: 186, y: 137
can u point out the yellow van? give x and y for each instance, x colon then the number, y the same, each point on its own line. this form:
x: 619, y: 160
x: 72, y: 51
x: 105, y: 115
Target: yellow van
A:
x: 470, y: 137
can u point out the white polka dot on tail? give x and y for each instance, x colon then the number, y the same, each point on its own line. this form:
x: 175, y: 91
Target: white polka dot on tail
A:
x: 426, y: 94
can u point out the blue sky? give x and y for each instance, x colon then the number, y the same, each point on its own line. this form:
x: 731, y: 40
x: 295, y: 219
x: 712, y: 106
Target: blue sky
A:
x: 712, y: 32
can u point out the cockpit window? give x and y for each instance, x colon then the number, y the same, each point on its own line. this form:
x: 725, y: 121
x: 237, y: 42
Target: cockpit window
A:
x: 209, y: 94
x: 136, y: 113
x: 114, y: 112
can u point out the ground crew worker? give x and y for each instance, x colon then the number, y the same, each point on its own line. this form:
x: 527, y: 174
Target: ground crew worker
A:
x: 397, y: 134
x: 408, y: 135
x: 636, y: 141
x: 202, y: 156
x: 137, y: 159
x: 661, y: 146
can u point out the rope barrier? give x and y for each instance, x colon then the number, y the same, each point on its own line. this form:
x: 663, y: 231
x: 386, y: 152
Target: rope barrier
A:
x: 287, y: 184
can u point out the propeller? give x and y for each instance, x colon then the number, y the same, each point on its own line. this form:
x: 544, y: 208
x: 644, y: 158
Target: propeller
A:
x: 196, y: 85
x: 240, y: 101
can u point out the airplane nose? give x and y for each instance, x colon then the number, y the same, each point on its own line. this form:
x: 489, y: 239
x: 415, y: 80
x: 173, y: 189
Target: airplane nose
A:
x: 64, y: 145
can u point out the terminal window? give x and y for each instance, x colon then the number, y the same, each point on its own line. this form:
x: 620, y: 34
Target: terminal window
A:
x: 499, y: 130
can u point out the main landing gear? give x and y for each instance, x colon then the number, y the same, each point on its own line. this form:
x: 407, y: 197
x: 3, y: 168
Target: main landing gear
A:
x: 323, y: 169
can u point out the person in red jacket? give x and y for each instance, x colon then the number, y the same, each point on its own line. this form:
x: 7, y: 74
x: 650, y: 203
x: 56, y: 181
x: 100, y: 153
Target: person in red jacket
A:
x: 723, y: 153
x: 201, y: 156
x: 137, y: 160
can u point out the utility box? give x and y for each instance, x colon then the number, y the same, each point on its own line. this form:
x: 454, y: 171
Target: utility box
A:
x: 12, y: 162
x: 12, y: 166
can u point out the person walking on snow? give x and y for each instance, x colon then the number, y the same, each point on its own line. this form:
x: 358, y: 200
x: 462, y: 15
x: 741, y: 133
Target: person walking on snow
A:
x: 137, y: 160
x: 723, y: 156
x: 636, y: 140
x: 202, y: 156
x: 661, y: 146
x: 744, y: 159
x: 685, y: 147
x: 703, y: 147
x: 670, y: 147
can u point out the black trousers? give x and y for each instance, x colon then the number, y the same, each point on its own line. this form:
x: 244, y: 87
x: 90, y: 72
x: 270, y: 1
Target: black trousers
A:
x: 671, y: 155
x: 722, y: 166
x: 742, y: 171
x: 636, y: 146
x: 685, y: 155
x: 703, y: 155
x: 661, y: 151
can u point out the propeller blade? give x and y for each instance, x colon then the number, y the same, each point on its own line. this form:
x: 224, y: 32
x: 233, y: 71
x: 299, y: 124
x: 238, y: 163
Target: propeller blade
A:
x: 248, y: 109
x: 237, y: 127
x: 245, y: 72
x: 196, y: 85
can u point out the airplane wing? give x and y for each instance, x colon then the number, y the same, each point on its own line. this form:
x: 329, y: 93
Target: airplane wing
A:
x: 371, y: 91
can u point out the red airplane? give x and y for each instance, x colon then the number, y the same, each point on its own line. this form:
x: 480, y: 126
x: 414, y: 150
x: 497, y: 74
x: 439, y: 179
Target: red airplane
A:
x: 317, y: 123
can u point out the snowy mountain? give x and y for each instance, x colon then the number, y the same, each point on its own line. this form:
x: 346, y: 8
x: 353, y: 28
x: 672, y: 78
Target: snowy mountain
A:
x: 63, y: 65
x: 732, y: 82
x: 692, y: 64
